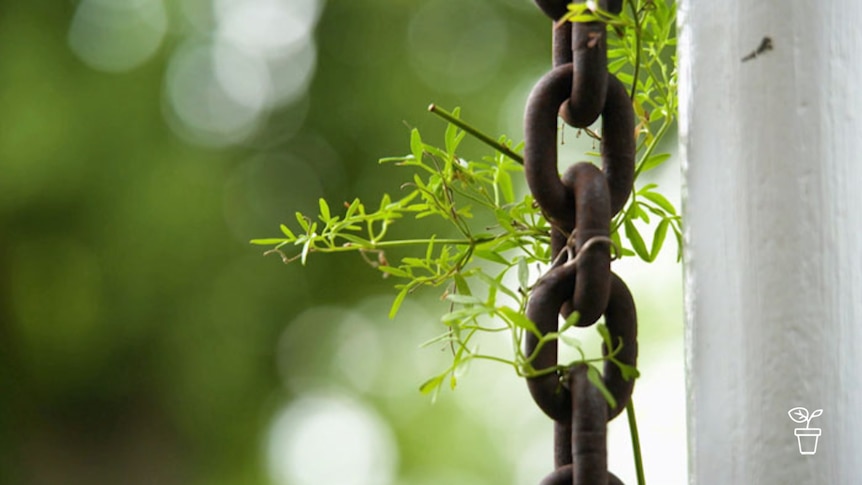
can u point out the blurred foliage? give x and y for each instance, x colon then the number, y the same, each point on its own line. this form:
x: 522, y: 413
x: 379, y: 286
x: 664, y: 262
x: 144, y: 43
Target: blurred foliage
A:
x: 138, y: 330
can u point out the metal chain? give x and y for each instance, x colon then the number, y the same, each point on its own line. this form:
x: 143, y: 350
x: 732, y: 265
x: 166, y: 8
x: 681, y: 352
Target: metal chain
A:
x: 579, y: 206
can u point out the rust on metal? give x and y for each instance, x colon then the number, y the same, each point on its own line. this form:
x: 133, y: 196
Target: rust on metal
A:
x: 579, y: 206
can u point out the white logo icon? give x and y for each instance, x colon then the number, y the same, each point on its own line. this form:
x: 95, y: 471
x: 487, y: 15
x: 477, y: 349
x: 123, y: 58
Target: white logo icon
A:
x: 807, y: 436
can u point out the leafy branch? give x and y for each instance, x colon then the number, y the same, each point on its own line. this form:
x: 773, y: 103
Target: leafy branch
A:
x: 494, y: 235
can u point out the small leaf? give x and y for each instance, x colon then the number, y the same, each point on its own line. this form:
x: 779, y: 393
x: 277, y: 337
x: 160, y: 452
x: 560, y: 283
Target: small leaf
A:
x: 519, y: 320
x: 618, y: 244
x: 638, y: 212
x: 396, y: 304
x: 267, y: 242
x: 626, y: 371
x: 815, y: 414
x: 451, y: 136
x: 394, y: 271
x: 625, y: 77
x: 416, y: 144
x: 431, y: 384
x: 461, y: 284
x: 616, y: 64
x: 325, y: 215
x: 358, y: 241
x: 305, y: 250
x: 570, y: 341
x: 287, y: 232
x: 352, y: 208
x: 571, y: 321
x: 596, y: 378
x: 463, y: 299
x: 495, y: 284
x: 490, y: 256
x: 302, y: 222
x: 459, y: 317
x: 637, y: 241
x: 658, y: 239
x: 653, y: 162
x: 523, y: 273
x: 606, y: 335
x: 660, y: 201
x: 504, y: 182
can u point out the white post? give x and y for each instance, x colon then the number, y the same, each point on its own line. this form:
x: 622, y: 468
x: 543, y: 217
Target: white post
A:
x: 773, y: 213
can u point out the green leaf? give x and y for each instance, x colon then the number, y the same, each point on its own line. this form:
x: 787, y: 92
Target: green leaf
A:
x: 618, y: 244
x: 325, y: 215
x: 394, y: 271
x: 636, y: 240
x: 523, y: 273
x: 660, y: 201
x: 519, y: 320
x: 625, y: 77
x: 360, y: 242
x: 605, y: 334
x: 571, y: 321
x: 305, y: 249
x: 267, y: 242
x: 458, y: 317
x: 432, y: 384
x: 626, y: 371
x: 596, y: 379
x: 416, y: 144
x: 287, y: 232
x: 639, y: 213
x: 399, y: 299
x: 352, y: 208
x: 504, y: 182
x: 679, y: 243
x: 461, y: 284
x: 452, y: 137
x: 658, y: 238
x: 495, y: 284
x: 490, y: 256
x: 570, y: 341
x: 616, y: 64
x: 302, y: 221
x: 463, y: 299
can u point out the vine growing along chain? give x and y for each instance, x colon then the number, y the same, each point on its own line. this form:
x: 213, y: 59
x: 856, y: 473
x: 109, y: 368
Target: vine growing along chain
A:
x: 495, y: 234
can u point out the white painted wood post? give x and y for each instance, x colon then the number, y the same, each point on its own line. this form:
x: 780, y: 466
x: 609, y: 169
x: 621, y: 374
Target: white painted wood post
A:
x: 772, y: 160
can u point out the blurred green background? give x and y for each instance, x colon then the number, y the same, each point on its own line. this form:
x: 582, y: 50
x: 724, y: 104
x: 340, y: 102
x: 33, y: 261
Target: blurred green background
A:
x: 143, y: 143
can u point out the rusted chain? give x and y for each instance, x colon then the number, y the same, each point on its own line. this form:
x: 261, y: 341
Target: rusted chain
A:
x: 579, y: 206
x: 540, y: 145
x: 621, y: 320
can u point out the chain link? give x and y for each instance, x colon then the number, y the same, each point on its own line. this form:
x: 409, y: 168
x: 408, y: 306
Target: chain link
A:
x: 579, y: 206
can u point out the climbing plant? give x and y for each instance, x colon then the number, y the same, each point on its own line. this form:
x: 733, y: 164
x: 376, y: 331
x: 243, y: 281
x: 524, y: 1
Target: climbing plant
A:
x: 496, y: 235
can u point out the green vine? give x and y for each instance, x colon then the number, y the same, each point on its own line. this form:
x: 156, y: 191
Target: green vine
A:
x: 496, y: 234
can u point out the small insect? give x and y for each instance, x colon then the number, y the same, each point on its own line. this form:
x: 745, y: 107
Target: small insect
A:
x: 765, y: 45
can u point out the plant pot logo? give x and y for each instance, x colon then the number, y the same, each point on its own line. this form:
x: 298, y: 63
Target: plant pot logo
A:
x: 806, y: 437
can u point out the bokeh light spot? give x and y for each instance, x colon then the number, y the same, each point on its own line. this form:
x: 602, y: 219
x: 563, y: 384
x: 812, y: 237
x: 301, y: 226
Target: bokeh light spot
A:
x: 117, y: 35
x: 200, y: 108
x: 267, y: 26
x: 259, y: 56
x: 243, y: 75
x: 331, y: 439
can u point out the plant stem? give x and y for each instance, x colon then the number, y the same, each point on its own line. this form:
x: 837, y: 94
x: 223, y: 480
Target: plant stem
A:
x: 649, y: 149
x: 637, y: 63
x: 636, y: 442
x: 475, y: 132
